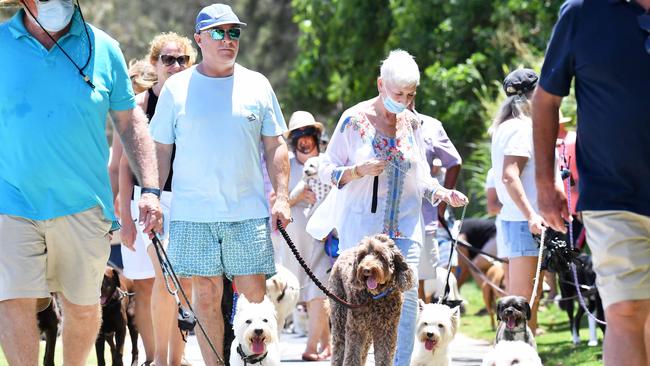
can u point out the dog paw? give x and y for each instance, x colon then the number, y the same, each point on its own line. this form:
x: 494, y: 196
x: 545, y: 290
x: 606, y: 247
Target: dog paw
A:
x: 593, y: 343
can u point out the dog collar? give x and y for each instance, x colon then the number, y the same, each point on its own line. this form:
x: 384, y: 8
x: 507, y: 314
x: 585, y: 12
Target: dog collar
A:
x: 383, y: 294
x: 250, y: 359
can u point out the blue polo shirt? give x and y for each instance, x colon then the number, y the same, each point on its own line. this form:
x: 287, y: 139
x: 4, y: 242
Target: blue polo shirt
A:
x: 600, y: 43
x: 53, y: 145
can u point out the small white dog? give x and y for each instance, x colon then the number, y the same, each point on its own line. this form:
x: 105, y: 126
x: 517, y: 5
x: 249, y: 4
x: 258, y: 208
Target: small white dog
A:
x: 509, y: 353
x: 283, y: 289
x: 435, y: 288
x: 437, y: 325
x: 300, y: 318
x: 310, y: 179
x: 256, y: 334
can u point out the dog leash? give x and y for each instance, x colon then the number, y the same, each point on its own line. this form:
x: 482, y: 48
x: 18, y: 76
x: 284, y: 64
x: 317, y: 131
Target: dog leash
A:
x: 467, y: 245
x: 311, y: 275
x: 451, y: 253
x: 538, y: 270
x: 184, y: 315
x: 480, y: 273
x: 574, y: 271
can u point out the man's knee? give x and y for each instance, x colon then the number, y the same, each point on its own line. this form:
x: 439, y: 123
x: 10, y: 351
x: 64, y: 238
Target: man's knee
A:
x: 630, y: 315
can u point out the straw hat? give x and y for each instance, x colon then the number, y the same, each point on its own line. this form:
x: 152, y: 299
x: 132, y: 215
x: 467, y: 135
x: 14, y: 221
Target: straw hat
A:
x: 564, y: 119
x: 300, y: 119
x: 9, y: 3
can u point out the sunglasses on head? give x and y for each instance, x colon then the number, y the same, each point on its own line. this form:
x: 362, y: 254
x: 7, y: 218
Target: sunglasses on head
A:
x: 644, y: 23
x: 219, y: 34
x: 169, y: 60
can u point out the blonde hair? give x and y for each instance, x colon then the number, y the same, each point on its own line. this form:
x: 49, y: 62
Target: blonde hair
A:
x: 159, y: 41
x: 400, y: 69
x: 515, y: 106
x: 143, y: 75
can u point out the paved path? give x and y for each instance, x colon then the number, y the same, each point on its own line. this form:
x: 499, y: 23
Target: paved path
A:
x: 465, y: 351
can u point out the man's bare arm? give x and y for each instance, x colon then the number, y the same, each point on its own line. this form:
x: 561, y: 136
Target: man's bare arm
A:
x: 550, y: 198
x: 276, y: 154
x: 131, y: 125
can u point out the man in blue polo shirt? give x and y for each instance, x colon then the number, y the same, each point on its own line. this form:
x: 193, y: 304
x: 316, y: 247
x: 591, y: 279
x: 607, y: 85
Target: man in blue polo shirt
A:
x: 605, y: 46
x: 60, y: 78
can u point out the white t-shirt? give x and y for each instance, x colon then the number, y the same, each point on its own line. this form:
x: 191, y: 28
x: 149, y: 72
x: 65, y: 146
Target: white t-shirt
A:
x: 217, y: 125
x: 514, y: 137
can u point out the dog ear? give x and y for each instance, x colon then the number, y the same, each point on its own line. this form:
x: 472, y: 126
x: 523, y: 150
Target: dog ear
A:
x: 455, y: 319
x: 116, y: 278
x: 499, y: 309
x: 404, y: 278
x: 528, y: 312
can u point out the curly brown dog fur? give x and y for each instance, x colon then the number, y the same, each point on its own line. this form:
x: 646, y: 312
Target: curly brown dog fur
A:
x: 375, y: 268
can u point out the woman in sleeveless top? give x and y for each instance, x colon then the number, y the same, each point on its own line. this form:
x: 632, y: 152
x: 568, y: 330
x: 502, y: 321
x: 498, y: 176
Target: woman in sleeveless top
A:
x: 169, y: 53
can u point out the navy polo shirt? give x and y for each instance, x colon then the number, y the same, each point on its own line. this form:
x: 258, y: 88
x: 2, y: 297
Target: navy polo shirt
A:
x: 600, y: 43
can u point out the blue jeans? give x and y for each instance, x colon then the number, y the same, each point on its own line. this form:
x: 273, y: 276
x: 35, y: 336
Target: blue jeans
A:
x: 408, y: 318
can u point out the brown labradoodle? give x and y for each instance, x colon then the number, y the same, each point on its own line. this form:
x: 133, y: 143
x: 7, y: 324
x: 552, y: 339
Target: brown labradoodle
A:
x: 374, y: 273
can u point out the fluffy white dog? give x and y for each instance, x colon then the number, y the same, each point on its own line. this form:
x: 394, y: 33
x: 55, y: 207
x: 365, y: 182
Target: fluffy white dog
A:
x: 256, y: 334
x: 283, y: 289
x: 310, y: 179
x: 508, y: 353
x: 437, y: 325
x: 434, y: 289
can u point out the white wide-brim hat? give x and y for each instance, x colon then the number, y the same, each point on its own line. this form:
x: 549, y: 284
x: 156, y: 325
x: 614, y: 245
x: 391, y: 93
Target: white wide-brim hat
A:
x: 300, y: 119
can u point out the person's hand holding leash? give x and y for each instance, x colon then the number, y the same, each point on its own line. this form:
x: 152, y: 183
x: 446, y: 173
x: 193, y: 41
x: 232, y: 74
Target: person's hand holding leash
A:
x: 451, y: 196
x: 280, y: 211
x: 536, y: 224
x: 553, y: 206
x: 371, y: 167
x: 151, y: 216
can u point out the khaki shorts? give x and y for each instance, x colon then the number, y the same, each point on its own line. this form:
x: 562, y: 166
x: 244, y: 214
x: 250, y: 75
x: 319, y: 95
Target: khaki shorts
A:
x: 620, y: 246
x: 66, y: 254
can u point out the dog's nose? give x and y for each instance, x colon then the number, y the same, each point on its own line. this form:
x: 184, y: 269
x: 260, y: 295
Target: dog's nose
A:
x: 429, y: 334
x: 508, y: 311
x: 258, y: 332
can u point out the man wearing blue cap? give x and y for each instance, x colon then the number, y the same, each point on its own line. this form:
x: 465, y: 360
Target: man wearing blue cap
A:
x: 220, y: 115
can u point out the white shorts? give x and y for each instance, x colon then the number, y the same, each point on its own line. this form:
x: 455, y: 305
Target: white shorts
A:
x: 429, y: 258
x: 137, y: 265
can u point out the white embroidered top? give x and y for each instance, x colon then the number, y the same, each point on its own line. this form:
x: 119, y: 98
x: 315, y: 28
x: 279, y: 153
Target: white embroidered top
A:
x: 401, y: 186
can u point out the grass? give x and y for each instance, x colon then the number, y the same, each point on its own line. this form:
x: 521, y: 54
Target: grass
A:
x: 58, y: 355
x: 555, y: 347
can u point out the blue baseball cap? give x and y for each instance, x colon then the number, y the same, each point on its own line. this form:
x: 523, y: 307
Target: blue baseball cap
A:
x: 215, y: 15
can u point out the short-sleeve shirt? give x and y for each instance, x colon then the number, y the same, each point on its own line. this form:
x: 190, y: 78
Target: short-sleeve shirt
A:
x: 601, y: 45
x: 514, y: 137
x: 217, y: 125
x: 436, y: 145
x: 53, y: 145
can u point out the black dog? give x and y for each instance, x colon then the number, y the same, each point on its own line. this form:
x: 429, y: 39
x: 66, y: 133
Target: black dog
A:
x: 48, y: 323
x: 587, y: 280
x: 117, y: 315
x: 513, y: 314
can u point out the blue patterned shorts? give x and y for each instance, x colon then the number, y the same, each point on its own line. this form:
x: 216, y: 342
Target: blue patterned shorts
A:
x: 215, y: 248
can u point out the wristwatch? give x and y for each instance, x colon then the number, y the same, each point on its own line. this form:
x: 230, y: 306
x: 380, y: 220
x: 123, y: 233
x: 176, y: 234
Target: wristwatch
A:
x: 155, y: 191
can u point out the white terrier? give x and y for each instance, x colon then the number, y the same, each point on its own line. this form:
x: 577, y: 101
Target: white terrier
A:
x: 310, y: 179
x: 283, y: 289
x: 508, y: 353
x: 256, y: 334
x: 436, y: 327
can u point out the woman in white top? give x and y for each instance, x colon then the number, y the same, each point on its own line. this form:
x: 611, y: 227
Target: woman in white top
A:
x: 513, y: 164
x: 379, y: 140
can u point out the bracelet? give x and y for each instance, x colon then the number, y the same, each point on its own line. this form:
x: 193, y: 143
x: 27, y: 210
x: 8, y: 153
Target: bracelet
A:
x: 353, y: 172
x: 155, y: 191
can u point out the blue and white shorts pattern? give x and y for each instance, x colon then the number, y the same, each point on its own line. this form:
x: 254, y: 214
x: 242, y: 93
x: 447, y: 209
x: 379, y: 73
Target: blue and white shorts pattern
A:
x: 518, y: 240
x: 211, y: 249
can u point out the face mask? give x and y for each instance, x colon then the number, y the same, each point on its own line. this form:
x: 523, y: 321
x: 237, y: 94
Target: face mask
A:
x: 391, y: 105
x: 54, y: 15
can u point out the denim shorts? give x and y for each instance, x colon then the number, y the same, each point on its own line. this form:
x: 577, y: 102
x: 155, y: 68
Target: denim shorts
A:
x: 211, y: 249
x: 518, y: 240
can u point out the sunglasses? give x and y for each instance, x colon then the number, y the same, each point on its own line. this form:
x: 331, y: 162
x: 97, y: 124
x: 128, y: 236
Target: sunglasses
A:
x: 169, y: 60
x: 219, y: 34
x: 644, y: 23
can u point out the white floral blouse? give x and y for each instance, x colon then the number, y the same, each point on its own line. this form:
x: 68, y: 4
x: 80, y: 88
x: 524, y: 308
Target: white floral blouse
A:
x: 402, y: 185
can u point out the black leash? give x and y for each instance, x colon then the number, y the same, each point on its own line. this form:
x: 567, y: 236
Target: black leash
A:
x: 311, y: 275
x: 375, y: 188
x: 467, y: 245
x: 187, y: 320
x: 445, y: 295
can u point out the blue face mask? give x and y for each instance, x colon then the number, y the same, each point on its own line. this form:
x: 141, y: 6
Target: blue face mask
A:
x: 54, y: 15
x: 391, y: 105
